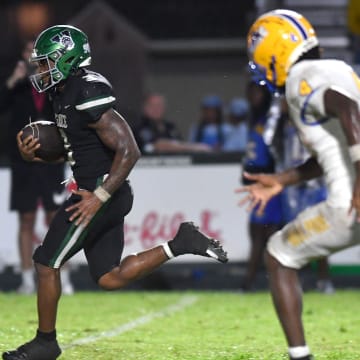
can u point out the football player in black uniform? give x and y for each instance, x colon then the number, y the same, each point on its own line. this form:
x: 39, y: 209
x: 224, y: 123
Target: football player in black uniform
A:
x: 101, y: 151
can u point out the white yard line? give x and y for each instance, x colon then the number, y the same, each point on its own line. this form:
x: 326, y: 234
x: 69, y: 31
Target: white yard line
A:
x: 169, y: 310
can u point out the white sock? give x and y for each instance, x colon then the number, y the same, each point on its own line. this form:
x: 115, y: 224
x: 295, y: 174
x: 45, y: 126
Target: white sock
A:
x: 299, y: 351
x: 27, y: 276
x: 167, y: 250
x: 65, y: 276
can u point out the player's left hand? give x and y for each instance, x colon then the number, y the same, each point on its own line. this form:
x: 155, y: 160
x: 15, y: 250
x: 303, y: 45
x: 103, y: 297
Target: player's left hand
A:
x: 355, y: 201
x: 85, y: 209
x: 265, y: 187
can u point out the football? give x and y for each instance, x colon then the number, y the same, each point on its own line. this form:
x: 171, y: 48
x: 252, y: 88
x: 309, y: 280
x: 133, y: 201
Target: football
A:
x: 51, y: 143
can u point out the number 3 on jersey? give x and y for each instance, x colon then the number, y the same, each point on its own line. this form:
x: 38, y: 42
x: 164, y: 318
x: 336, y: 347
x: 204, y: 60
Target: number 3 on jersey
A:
x: 67, y: 147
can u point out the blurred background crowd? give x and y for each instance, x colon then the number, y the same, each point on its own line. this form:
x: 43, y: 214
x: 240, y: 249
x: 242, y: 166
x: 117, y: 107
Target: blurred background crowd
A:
x: 179, y: 69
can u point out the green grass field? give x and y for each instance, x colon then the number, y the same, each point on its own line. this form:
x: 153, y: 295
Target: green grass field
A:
x: 184, y: 326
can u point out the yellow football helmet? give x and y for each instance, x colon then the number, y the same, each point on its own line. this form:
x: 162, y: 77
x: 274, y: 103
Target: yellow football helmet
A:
x: 275, y: 42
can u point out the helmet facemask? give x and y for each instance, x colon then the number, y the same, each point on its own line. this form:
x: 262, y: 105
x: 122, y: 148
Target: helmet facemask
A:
x: 258, y: 75
x: 44, y: 80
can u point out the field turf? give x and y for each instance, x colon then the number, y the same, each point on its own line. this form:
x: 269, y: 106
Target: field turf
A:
x: 184, y: 325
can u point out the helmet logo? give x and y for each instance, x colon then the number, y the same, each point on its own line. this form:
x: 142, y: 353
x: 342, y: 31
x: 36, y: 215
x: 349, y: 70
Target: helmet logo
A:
x: 256, y: 38
x: 64, y: 39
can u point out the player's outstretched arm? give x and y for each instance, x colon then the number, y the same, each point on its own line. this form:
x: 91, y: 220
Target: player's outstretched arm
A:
x: 267, y: 186
x: 259, y: 193
x: 116, y: 134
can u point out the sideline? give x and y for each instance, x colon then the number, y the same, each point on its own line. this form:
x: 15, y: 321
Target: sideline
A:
x: 183, y: 303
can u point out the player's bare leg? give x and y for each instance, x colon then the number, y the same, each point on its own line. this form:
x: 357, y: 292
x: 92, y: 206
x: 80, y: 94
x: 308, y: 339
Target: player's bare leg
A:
x: 259, y: 235
x: 44, y: 346
x: 324, y: 283
x: 25, y: 238
x: 287, y: 298
x: 48, y: 295
x: 133, y: 267
x: 188, y: 240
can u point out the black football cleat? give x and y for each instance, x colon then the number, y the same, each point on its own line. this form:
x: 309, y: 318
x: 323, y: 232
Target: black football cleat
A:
x: 36, y: 349
x: 190, y: 240
x: 307, y: 357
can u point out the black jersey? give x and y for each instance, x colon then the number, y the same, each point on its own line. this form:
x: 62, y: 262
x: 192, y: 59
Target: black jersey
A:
x: 85, y: 97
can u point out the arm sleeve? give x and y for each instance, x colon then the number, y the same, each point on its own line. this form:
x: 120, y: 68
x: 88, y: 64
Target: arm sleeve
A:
x: 95, y: 99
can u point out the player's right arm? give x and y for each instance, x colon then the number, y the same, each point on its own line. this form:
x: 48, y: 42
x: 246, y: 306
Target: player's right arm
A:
x: 267, y: 186
x: 346, y: 110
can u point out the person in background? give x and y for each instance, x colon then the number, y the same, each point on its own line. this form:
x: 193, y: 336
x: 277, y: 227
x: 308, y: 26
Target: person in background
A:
x: 156, y: 134
x: 259, y: 159
x: 210, y: 129
x: 236, y: 126
x: 31, y: 184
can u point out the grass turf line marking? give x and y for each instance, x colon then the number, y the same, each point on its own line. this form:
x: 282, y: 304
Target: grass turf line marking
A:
x: 183, y: 303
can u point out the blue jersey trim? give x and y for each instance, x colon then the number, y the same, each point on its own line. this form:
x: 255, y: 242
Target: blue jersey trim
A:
x: 303, y: 110
x: 297, y: 24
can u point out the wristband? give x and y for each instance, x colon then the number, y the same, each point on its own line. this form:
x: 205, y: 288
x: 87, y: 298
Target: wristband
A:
x: 354, y: 151
x: 102, y: 194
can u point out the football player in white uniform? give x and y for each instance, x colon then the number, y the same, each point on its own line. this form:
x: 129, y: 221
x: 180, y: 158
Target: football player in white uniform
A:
x: 323, y: 98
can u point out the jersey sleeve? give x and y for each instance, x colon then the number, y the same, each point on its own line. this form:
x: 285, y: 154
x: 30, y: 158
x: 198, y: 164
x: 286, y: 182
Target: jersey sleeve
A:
x: 96, y: 97
x: 305, y: 90
x: 305, y: 95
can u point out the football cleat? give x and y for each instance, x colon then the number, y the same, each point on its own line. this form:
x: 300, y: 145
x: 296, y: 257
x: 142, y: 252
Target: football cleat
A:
x: 36, y: 349
x: 190, y: 240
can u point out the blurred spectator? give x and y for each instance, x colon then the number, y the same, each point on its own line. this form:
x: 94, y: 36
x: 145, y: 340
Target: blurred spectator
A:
x: 259, y: 159
x: 157, y: 134
x: 236, y: 126
x: 31, y: 183
x: 353, y: 21
x: 210, y: 129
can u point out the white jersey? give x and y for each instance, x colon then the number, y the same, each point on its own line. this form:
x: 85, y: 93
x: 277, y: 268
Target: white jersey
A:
x: 322, y: 135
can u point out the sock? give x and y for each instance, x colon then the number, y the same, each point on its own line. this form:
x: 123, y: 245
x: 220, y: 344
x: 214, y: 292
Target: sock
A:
x: 48, y: 336
x: 65, y: 276
x: 297, y: 352
x: 27, y: 276
x: 168, y: 251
